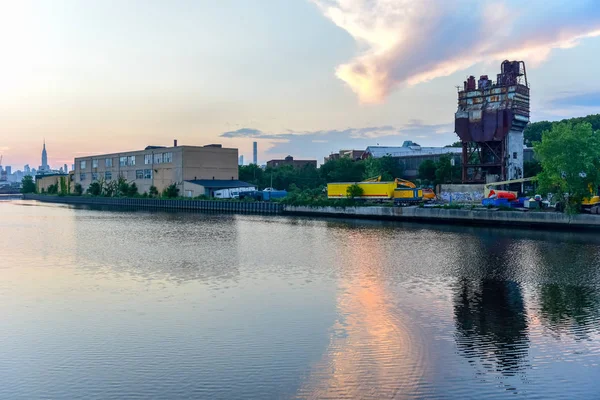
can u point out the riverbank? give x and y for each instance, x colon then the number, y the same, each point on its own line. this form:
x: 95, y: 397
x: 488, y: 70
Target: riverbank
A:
x: 531, y: 219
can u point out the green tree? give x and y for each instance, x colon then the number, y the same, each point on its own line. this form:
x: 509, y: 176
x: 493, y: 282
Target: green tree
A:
x: 153, y: 191
x: 387, y: 167
x: 354, y: 191
x: 78, y: 189
x: 27, y: 184
x: 251, y: 173
x: 570, y: 158
x: 531, y: 168
x: 443, y: 171
x: 122, y: 187
x: 427, y: 170
x: 132, y: 191
x: 342, y: 170
x: 455, y: 144
x: 64, y: 188
x: 533, y: 132
x: 53, y: 189
x: 171, y: 191
x: 95, y: 189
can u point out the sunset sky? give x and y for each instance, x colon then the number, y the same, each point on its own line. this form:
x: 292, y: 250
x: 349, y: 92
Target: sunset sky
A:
x: 301, y: 77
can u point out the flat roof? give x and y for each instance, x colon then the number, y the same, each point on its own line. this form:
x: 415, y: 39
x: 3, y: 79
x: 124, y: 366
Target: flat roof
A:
x: 154, y: 148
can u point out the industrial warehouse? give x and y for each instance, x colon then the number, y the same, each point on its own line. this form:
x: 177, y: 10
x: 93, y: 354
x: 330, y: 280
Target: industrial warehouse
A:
x: 161, y: 166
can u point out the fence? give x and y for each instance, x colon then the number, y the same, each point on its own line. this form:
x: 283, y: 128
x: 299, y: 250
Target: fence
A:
x: 198, y: 205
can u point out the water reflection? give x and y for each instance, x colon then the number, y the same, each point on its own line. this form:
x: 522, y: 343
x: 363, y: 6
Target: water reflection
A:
x: 573, y: 310
x: 159, y: 245
x: 491, y: 324
x: 373, y: 352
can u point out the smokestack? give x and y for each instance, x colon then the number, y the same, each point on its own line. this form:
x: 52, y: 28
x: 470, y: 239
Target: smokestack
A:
x: 255, y: 153
x: 174, y: 142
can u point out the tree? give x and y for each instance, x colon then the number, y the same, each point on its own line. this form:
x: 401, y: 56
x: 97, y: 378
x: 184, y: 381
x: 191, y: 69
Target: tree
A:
x: 64, y: 188
x: 427, y: 170
x: 342, y: 170
x: 132, y: 191
x: 455, y: 144
x: 171, y: 191
x: 27, y: 184
x: 153, y: 191
x: 78, y: 189
x: 354, y: 191
x: 570, y: 158
x: 53, y: 189
x: 443, y: 171
x: 122, y: 186
x: 531, y: 168
x: 95, y: 189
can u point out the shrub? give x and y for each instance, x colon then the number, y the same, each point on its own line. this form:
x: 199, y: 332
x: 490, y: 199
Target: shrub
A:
x: 354, y: 191
x: 171, y: 191
x: 153, y: 192
x: 28, y: 186
x: 78, y: 189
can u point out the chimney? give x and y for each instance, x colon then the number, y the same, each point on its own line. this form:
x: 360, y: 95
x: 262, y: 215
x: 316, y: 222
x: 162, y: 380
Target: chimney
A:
x: 175, y: 143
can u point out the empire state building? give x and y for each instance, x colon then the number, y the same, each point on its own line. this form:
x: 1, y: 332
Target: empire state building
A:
x: 44, y: 166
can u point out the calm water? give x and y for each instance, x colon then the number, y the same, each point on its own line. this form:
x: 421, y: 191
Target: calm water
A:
x: 105, y: 304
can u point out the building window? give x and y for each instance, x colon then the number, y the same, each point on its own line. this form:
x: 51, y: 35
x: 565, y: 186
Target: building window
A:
x: 94, y: 176
x: 148, y: 159
x: 82, y: 164
x: 139, y: 174
x: 167, y: 157
x: 82, y: 177
x: 147, y: 174
x: 131, y: 160
x: 122, y: 161
x: 94, y: 163
x: 108, y: 162
x: 515, y: 154
x: 108, y: 175
x: 158, y: 158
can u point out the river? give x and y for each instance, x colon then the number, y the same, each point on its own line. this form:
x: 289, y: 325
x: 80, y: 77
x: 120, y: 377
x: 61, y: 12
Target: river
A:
x: 111, y: 304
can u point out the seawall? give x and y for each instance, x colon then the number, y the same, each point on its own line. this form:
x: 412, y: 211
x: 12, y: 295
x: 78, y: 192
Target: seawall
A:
x: 458, y: 216
x: 198, y: 205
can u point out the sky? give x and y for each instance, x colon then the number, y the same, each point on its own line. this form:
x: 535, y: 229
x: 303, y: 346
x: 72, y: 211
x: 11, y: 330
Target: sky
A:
x: 300, y: 77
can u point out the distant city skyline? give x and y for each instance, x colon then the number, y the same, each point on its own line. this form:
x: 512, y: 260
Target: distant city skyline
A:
x: 304, y: 77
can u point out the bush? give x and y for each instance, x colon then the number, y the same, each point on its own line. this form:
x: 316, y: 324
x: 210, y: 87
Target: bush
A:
x: 354, y: 191
x: 28, y: 186
x: 153, y: 192
x: 171, y: 191
x: 53, y: 189
x: 78, y: 189
x: 95, y: 189
x: 132, y: 191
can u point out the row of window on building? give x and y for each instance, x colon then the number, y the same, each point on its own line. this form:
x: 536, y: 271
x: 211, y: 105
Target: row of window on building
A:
x: 139, y: 174
x: 157, y: 158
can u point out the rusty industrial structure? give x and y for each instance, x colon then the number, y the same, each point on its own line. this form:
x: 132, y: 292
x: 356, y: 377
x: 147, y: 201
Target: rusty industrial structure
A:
x: 490, y: 120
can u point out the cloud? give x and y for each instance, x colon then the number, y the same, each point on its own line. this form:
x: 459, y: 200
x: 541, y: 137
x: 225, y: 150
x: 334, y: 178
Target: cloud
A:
x: 243, y: 132
x: 317, y: 144
x: 405, y: 42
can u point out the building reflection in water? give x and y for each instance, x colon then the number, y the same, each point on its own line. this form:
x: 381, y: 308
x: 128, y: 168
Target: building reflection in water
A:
x: 491, y: 324
x: 373, y: 351
x: 489, y: 310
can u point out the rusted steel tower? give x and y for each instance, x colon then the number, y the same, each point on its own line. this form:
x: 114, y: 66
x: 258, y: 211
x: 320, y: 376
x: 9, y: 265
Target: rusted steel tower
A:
x: 490, y: 120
